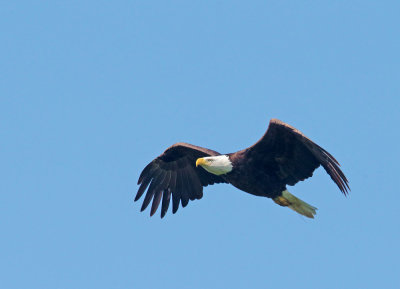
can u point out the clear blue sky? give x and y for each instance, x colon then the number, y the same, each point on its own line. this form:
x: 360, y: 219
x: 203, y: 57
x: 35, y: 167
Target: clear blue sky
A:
x: 91, y: 91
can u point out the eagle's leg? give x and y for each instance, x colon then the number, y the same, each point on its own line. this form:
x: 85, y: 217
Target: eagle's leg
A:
x: 286, y: 199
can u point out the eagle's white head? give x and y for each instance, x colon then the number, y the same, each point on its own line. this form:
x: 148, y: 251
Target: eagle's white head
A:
x: 217, y: 165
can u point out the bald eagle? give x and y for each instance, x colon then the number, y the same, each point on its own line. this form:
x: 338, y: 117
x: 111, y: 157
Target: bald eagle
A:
x: 283, y: 156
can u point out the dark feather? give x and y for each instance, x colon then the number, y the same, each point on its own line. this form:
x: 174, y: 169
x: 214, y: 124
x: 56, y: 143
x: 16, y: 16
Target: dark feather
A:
x: 177, y: 194
x: 142, y: 188
x: 152, y: 189
x: 293, y: 155
x: 158, y: 193
x: 146, y: 171
x: 185, y: 189
x: 194, y: 183
x: 165, y: 202
x: 174, y: 172
x: 156, y: 202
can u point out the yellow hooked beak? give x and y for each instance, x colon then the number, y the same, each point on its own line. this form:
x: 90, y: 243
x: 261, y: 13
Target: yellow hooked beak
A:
x: 201, y: 162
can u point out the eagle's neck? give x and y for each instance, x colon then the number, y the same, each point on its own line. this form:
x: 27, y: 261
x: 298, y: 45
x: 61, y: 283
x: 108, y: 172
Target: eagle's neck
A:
x: 218, y: 165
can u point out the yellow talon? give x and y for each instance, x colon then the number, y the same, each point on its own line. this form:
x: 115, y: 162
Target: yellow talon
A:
x: 281, y: 201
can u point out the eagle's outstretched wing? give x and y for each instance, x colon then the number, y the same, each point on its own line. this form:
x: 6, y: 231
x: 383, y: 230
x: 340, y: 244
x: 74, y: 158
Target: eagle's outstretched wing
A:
x: 175, y: 172
x: 293, y: 156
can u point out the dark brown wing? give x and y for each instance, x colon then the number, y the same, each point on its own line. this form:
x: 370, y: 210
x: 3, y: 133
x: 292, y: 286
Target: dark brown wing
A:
x: 293, y: 156
x: 175, y: 172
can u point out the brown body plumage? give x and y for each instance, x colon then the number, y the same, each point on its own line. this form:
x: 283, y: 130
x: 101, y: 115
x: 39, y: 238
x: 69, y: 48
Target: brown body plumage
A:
x: 283, y: 156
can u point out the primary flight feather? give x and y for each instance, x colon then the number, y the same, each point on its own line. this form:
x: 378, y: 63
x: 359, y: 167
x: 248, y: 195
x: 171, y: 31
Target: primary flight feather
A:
x: 283, y: 156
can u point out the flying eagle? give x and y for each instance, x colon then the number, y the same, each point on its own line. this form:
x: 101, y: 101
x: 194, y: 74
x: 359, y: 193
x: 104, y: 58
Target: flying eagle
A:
x: 283, y: 156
